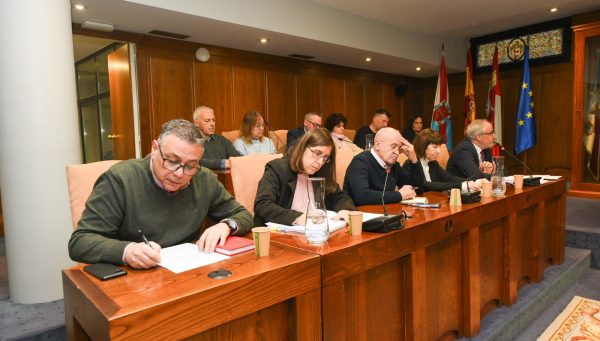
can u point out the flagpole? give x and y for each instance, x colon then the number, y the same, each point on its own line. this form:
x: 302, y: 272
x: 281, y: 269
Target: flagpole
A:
x: 525, y: 163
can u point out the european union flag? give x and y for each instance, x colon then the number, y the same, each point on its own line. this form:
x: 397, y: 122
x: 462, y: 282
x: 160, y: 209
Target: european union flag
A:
x: 525, y: 135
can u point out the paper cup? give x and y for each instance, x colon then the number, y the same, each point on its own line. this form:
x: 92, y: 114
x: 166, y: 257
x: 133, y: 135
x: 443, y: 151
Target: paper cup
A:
x: 455, y: 199
x: 518, y: 181
x: 355, y: 223
x: 262, y: 240
x: 486, y: 189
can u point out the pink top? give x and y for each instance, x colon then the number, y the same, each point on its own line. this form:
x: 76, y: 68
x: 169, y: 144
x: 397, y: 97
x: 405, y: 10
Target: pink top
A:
x: 301, y: 194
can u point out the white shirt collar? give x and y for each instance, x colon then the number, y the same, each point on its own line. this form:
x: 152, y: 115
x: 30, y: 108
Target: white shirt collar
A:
x: 379, y: 160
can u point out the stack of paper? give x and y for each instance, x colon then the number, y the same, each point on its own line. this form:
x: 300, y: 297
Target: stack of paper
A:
x: 415, y: 200
x: 184, y: 257
x: 334, y: 225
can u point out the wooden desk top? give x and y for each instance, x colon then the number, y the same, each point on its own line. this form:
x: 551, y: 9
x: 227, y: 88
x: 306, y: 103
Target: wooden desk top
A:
x: 426, y: 226
x: 157, y: 298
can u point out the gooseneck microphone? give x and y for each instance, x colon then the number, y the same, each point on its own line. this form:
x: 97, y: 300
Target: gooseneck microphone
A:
x: 531, y: 180
x: 279, y: 141
x: 387, y: 173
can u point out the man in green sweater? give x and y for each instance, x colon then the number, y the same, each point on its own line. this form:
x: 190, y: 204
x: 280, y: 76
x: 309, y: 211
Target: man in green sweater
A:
x: 217, y: 149
x: 164, y: 197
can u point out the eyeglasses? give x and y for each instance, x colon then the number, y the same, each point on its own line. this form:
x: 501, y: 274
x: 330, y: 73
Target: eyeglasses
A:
x: 490, y: 133
x: 174, y: 166
x: 316, y: 125
x: 316, y: 154
x: 259, y: 125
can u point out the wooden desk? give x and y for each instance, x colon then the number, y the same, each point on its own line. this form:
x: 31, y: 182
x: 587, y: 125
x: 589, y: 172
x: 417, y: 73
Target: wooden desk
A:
x: 224, y: 175
x: 271, y: 298
x: 440, y: 275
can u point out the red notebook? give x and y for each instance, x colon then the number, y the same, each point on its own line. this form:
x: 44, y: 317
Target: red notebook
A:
x: 234, y: 245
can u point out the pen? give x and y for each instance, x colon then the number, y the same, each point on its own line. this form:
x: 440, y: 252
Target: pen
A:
x: 145, y: 239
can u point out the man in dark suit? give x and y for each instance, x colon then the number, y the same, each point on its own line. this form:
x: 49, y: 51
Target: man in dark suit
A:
x: 217, y: 149
x: 381, y: 118
x: 472, y: 156
x: 312, y: 120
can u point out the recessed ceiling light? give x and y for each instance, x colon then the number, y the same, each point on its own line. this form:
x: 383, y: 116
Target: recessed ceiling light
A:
x: 418, y: 68
x: 79, y: 7
x: 553, y: 9
x: 368, y: 59
x: 263, y: 40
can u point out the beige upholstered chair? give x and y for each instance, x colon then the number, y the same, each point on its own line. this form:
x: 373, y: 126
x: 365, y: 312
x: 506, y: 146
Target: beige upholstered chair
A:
x: 80, y: 182
x: 350, y: 134
x: 443, y: 156
x: 401, y: 159
x: 231, y: 135
x: 342, y: 160
x: 246, y: 172
x: 279, y: 138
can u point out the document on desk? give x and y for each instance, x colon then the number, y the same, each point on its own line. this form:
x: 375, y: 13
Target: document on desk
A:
x: 184, y: 257
x: 334, y: 225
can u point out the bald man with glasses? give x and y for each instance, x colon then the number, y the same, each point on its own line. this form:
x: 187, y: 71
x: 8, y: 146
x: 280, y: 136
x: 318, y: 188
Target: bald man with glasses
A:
x: 164, y: 197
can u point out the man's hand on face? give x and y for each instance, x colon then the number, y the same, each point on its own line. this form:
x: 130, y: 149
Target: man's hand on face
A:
x: 213, y: 235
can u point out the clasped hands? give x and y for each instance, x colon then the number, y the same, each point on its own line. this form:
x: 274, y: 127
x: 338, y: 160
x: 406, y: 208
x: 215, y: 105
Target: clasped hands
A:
x: 144, y: 256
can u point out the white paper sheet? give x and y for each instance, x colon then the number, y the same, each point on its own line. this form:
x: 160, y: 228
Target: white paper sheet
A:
x: 334, y: 225
x: 184, y: 257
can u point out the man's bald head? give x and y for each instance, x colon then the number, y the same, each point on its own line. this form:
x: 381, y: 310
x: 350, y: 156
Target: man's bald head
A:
x: 387, y: 144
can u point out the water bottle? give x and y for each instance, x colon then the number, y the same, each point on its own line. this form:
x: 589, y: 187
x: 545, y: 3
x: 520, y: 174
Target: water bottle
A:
x: 369, y: 141
x: 316, y: 226
x: 498, y: 181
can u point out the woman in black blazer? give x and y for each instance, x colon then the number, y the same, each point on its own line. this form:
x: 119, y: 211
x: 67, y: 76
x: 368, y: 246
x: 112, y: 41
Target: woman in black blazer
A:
x: 281, y: 197
x: 427, y: 147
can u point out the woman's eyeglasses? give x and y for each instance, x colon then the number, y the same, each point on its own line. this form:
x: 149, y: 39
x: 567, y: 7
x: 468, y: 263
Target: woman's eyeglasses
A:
x: 316, y: 154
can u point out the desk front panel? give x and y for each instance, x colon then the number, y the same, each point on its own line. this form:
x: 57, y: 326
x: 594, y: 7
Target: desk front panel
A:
x: 443, y: 272
x: 270, y: 298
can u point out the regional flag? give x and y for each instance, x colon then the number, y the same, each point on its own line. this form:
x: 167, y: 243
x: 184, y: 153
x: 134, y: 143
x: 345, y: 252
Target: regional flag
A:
x: 470, y: 112
x: 591, y: 133
x: 525, y: 129
x: 493, y: 107
x: 441, y: 119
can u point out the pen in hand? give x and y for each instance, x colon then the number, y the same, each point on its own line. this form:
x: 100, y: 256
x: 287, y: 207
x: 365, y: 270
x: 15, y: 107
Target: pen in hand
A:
x: 145, y: 239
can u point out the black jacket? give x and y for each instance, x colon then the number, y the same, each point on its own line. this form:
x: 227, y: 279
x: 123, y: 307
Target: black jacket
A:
x: 275, y: 195
x: 365, y: 178
x: 440, y: 179
x: 464, y: 161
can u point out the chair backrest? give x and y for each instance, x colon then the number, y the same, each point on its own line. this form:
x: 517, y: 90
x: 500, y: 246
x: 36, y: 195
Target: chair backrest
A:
x: 231, y: 135
x: 401, y: 159
x: 279, y: 138
x: 246, y: 172
x: 342, y: 160
x: 443, y: 156
x: 350, y: 134
x: 80, y: 182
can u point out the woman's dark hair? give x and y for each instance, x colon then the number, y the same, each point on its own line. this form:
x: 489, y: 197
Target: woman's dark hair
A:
x: 334, y: 119
x: 412, y: 120
x: 316, y: 138
x: 248, y: 122
x: 424, y: 139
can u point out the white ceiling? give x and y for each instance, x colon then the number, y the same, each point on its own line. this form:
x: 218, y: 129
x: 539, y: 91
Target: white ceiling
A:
x: 398, y: 35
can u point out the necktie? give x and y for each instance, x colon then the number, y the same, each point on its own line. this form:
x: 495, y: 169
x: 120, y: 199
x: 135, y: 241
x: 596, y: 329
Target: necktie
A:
x: 482, y: 155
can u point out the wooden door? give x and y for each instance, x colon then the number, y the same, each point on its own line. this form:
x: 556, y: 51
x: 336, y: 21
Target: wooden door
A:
x: 121, y: 103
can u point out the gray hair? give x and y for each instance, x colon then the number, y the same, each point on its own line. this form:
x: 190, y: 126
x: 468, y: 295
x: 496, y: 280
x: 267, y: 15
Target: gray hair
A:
x: 198, y: 110
x: 475, y: 128
x: 181, y: 129
x: 312, y: 113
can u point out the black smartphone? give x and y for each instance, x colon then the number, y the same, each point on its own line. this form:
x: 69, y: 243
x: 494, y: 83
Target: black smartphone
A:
x: 104, y: 271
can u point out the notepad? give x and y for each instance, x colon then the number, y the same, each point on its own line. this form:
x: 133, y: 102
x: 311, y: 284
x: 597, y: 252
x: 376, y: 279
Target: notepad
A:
x: 334, y: 225
x: 234, y: 245
x: 184, y: 257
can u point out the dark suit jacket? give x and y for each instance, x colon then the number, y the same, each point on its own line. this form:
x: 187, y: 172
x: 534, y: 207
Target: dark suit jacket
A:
x: 216, y: 149
x: 464, y: 161
x: 292, y: 136
x: 440, y: 179
x: 365, y: 179
x: 275, y: 195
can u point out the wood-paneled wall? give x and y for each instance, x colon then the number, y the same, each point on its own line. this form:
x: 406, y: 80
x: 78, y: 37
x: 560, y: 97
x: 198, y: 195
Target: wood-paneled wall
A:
x: 552, y: 87
x: 172, y: 83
